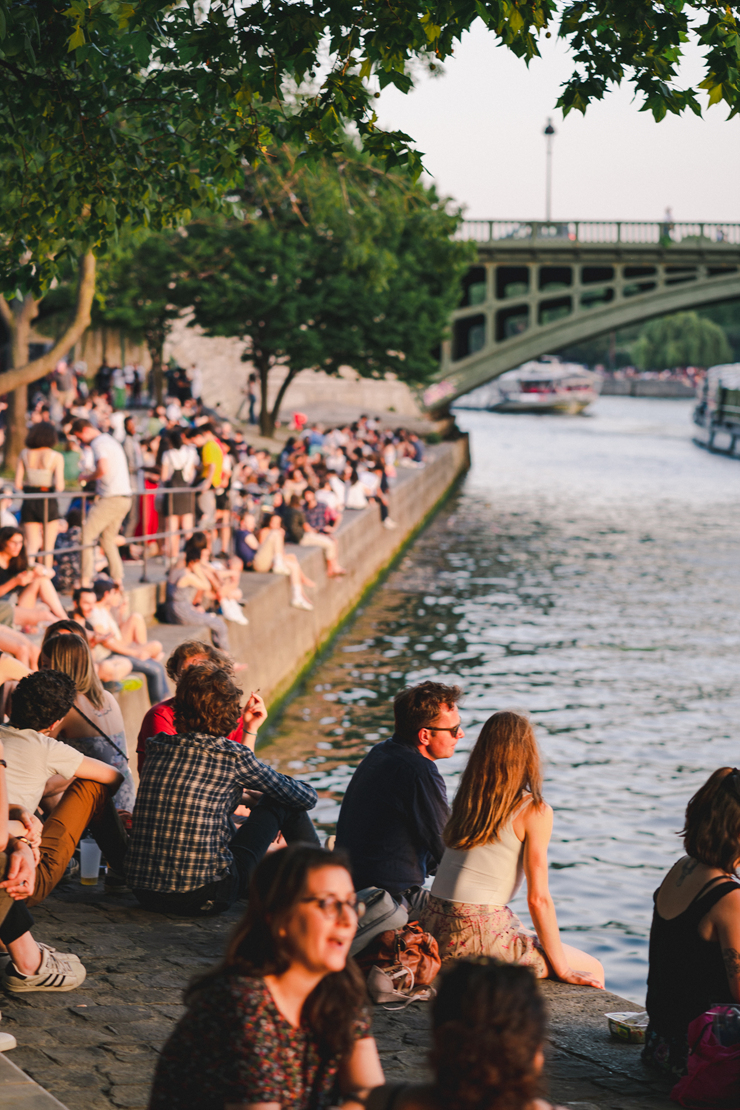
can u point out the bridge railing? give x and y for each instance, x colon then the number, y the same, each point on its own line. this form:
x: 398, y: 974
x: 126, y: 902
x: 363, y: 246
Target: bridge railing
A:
x: 599, y: 231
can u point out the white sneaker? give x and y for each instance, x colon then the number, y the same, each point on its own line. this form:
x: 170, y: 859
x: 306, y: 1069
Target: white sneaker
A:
x: 59, y: 971
x: 388, y: 523
x: 231, y: 609
x: 5, y: 956
x: 279, y: 566
x: 301, y: 603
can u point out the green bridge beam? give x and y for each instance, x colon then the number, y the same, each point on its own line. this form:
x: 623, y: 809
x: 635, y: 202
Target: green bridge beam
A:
x: 538, y: 287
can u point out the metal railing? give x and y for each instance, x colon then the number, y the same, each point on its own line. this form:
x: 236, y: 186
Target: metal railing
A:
x: 69, y: 497
x: 659, y: 233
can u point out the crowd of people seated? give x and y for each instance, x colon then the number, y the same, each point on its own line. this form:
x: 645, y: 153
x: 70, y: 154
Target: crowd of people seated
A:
x: 211, y: 824
x: 156, y: 482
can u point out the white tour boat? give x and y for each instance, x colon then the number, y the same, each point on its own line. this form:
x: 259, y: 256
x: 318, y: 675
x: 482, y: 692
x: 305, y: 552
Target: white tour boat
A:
x: 546, y: 387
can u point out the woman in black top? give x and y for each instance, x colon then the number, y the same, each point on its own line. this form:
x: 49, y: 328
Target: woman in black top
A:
x: 695, y: 935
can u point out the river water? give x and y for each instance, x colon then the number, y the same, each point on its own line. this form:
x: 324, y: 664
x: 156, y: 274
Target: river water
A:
x: 586, y: 572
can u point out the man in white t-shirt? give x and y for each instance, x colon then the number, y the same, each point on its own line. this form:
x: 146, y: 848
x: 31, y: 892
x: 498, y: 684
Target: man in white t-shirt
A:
x: 113, y: 502
x: 42, y: 771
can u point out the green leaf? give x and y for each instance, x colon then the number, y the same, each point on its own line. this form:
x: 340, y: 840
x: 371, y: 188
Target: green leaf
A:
x: 77, y: 38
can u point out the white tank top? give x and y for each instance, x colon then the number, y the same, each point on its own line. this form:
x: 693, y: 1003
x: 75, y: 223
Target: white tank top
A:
x: 487, y: 875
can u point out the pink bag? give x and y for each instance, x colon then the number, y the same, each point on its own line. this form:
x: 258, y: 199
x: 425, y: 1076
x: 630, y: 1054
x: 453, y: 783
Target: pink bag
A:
x: 713, y: 1078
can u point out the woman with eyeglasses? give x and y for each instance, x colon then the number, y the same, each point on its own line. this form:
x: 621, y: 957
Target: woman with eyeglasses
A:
x: 694, y: 956
x: 283, y: 1021
x: 497, y: 835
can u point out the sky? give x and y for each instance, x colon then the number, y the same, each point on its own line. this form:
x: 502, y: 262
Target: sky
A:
x: 480, y: 127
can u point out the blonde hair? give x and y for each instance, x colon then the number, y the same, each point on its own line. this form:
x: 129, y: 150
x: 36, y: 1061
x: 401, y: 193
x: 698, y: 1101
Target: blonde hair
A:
x: 71, y: 655
x: 503, y: 764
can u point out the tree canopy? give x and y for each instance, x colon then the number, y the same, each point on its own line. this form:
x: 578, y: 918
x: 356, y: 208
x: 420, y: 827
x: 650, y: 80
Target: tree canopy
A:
x: 333, y: 264
x: 680, y: 340
x: 131, y: 112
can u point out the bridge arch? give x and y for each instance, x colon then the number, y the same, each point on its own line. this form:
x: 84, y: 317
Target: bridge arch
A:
x: 536, y: 288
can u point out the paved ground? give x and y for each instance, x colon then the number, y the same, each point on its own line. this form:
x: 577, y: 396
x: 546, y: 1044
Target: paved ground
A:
x: 95, y: 1048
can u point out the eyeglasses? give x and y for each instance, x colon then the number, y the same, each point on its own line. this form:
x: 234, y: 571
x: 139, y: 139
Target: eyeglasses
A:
x: 454, y: 731
x: 334, y: 907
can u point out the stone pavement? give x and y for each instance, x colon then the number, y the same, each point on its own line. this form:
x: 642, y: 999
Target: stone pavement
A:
x: 95, y: 1048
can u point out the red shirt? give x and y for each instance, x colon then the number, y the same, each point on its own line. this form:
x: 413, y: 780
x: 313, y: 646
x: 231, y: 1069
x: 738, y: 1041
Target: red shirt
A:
x: 161, y: 718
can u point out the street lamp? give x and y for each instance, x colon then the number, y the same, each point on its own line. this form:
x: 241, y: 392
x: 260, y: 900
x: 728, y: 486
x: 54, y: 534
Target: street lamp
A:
x: 548, y: 133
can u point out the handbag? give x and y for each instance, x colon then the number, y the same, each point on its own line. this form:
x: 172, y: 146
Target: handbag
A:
x: 713, y: 1078
x: 409, y: 949
x: 396, y: 986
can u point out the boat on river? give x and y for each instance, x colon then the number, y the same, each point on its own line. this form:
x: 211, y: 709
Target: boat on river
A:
x: 547, y: 386
x: 717, y: 412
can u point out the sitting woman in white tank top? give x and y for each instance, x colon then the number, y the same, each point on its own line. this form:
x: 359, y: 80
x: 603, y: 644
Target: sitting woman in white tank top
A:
x: 497, y: 835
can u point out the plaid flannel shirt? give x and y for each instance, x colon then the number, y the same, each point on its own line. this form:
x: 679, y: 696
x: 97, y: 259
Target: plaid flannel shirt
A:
x: 189, y: 787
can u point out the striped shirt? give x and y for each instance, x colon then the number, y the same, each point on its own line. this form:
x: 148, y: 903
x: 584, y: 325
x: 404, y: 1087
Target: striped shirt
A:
x: 190, y: 785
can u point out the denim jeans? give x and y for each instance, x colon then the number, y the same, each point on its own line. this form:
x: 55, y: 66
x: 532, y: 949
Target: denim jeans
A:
x: 156, y: 677
x: 248, y: 846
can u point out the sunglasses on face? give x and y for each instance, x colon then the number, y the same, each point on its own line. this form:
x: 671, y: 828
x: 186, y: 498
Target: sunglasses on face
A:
x: 454, y: 731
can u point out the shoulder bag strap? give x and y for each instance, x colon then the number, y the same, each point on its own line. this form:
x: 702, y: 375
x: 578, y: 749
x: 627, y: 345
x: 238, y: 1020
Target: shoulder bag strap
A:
x: 100, y: 732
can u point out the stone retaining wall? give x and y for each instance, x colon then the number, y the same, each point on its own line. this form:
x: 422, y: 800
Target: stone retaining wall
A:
x: 280, y: 641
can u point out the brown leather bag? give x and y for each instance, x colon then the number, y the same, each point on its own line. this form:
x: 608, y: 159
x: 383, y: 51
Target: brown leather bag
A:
x: 409, y: 947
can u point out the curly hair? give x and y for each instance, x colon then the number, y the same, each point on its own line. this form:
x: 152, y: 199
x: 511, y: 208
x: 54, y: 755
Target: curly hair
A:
x: 190, y: 648
x: 43, y: 434
x: 488, y: 1022
x: 256, y: 949
x: 207, y: 700
x: 42, y: 698
x: 711, y: 832
x: 419, y: 706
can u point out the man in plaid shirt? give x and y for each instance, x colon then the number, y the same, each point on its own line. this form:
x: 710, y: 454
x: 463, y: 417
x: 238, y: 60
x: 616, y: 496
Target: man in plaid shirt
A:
x: 184, y: 857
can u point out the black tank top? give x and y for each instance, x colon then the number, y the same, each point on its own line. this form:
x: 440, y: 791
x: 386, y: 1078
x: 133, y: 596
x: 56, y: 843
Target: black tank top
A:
x: 687, y: 974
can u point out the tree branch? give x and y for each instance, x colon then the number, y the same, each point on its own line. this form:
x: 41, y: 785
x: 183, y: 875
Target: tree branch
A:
x: 280, y: 393
x: 32, y: 371
x: 5, y: 313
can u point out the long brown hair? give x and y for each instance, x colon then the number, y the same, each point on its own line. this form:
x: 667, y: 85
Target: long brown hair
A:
x: 503, y: 764
x: 256, y: 949
x: 488, y: 1023
x: 70, y: 654
x: 711, y: 831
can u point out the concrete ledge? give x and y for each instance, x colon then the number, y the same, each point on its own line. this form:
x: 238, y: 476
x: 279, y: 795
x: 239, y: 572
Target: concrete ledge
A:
x: 279, y: 641
x: 20, y: 1092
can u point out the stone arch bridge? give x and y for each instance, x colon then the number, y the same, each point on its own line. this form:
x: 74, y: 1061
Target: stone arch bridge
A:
x: 537, y: 287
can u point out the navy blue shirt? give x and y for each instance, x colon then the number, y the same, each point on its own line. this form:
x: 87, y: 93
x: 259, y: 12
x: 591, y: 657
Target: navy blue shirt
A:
x: 392, y: 818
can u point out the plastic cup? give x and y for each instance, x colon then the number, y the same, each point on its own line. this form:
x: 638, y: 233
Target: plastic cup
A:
x: 89, y: 862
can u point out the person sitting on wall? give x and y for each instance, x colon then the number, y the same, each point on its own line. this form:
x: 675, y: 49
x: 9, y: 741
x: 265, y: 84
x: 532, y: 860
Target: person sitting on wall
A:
x: 184, y: 858
x: 395, y: 807
x: 39, y: 769
x: 161, y: 717
x: 112, y: 669
x: 694, y: 957
x: 129, y: 640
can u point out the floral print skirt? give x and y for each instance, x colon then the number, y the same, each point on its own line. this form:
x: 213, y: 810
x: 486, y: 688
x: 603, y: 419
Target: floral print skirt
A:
x: 467, y: 929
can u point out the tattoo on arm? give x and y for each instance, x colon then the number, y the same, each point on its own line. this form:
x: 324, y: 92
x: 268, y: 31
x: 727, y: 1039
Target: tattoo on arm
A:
x: 689, y: 866
x: 731, y: 958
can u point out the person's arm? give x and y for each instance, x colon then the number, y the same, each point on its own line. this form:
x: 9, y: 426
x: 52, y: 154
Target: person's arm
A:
x: 58, y: 472
x: 16, y: 582
x: 19, y: 474
x: 725, y: 917
x: 359, y: 1072
x: 97, y: 771
x: 255, y: 775
x: 254, y: 714
x: 537, y: 833
x: 428, y: 814
x: 21, y: 877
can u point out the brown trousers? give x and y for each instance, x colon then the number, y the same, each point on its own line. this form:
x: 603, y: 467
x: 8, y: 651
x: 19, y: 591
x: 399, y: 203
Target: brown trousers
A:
x: 85, y: 804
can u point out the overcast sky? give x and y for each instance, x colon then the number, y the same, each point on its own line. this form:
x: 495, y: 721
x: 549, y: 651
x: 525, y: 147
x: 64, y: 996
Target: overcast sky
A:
x: 480, y: 127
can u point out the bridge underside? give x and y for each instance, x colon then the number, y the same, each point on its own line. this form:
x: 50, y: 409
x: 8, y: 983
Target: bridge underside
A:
x: 522, y: 301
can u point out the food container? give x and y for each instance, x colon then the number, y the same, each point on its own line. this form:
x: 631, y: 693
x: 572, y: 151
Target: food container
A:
x: 628, y: 1027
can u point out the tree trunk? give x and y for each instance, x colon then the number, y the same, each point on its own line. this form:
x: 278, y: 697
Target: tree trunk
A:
x: 279, y: 399
x: 18, y: 317
x: 23, y: 371
x: 267, y: 418
x: 155, y: 346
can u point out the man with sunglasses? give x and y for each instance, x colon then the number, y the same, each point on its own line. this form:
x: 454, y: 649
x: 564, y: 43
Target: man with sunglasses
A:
x: 395, y: 807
